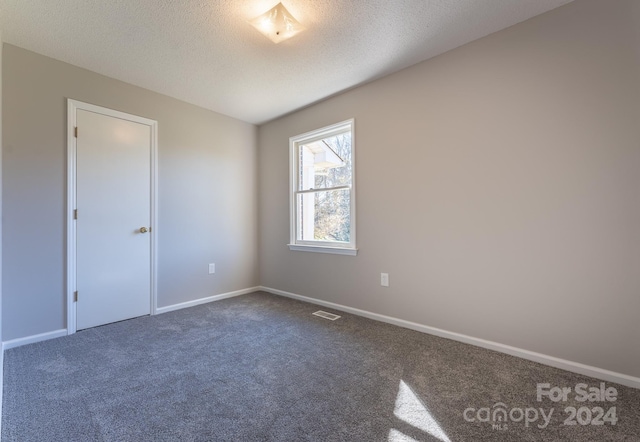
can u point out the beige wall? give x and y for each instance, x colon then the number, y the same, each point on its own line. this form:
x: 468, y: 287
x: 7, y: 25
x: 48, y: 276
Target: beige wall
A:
x: 207, y: 191
x: 499, y: 186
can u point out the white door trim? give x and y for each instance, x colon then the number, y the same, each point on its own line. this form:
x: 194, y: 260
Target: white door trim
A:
x: 72, y: 107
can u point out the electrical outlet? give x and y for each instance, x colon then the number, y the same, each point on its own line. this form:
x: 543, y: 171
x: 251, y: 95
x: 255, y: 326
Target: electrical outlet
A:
x: 384, y: 279
x: 212, y: 268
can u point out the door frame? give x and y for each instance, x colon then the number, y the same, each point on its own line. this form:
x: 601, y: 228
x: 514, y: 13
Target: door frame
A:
x: 72, y: 107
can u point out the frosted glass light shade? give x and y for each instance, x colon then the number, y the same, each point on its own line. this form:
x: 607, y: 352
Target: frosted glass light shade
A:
x: 277, y: 24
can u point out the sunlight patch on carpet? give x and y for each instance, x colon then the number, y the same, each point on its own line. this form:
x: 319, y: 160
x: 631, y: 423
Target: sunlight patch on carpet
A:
x: 397, y: 436
x: 410, y: 409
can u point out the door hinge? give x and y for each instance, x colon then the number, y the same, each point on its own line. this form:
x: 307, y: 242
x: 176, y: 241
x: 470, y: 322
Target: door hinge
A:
x: 75, y: 213
x: 75, y: 131
x: 75, y: 296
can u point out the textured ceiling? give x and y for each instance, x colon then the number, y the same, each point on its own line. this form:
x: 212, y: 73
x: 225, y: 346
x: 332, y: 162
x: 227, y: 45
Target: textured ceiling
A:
x: 205, y: 52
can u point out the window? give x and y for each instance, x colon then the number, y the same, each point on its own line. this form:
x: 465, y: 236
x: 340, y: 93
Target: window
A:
x: 322, y: 190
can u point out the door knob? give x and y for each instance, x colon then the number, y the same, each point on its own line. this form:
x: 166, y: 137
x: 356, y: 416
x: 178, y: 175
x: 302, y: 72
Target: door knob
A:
x: 143, y: 230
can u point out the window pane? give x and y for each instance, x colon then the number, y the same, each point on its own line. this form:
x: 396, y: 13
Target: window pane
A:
x: 324, y: 216
x: 325, y: 163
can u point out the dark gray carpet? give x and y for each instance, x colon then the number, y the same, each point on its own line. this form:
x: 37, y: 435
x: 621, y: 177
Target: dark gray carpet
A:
x: 262, y: 368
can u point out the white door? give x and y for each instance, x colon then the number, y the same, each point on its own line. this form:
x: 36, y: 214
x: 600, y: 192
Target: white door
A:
x: 113, y: 201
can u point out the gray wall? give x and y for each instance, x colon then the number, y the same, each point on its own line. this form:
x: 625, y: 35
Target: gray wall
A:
x: 207, y: 191
x: 499, y: 186
x: 1, y: 352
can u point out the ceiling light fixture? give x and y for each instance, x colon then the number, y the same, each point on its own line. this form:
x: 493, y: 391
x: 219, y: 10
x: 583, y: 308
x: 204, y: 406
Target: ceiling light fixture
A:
x: 277, y: 24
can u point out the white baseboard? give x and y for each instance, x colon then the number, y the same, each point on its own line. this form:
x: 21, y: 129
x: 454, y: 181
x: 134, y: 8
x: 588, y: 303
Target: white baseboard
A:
x: 575, y: 367
x: 63, y: 332
x: 195, y: 302
x: 6, y: 345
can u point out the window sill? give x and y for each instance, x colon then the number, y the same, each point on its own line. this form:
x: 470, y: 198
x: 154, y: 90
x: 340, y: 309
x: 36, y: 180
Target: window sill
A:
x: 323, y: 249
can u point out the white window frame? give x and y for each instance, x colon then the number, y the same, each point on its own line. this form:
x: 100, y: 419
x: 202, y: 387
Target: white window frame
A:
x: 321, y: 246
